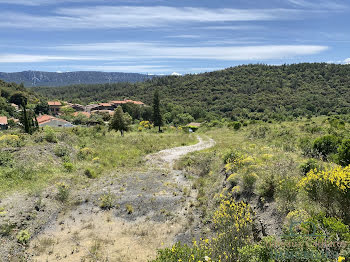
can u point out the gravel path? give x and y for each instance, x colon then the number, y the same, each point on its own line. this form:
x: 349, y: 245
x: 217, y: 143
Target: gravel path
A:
x: 166, y: 158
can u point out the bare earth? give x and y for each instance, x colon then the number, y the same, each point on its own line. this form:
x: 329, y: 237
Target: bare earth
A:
x: 161, y: 200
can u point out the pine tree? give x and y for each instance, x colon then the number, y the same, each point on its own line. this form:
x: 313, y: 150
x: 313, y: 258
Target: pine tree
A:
x: 157, y: 116
x: 120, y: 121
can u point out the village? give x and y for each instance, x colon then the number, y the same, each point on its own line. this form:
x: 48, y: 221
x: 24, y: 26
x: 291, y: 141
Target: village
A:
x: 56, y: 109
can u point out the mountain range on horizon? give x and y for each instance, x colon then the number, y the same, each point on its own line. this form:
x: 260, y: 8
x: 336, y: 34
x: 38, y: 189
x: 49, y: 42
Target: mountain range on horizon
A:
x: 54, y: 79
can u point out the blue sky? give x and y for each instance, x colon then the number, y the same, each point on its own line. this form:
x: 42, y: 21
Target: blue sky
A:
x: 163, y: 36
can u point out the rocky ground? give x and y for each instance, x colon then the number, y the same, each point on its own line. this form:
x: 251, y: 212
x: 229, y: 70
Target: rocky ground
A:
x: 145, y: 211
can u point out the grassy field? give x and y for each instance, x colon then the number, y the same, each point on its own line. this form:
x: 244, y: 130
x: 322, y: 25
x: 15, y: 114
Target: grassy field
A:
x: 77, y: 154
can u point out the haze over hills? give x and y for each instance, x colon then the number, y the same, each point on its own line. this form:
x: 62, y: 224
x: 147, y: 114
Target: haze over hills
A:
x: 51, y: 79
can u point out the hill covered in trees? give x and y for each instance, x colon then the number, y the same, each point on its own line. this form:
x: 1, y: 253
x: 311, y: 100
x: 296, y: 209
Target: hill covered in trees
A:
x: 39, y: 78
x: 248, y: 91
x: 7, y: 90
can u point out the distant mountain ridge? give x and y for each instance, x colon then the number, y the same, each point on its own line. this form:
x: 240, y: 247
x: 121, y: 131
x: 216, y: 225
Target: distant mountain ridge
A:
x: 54, y: 79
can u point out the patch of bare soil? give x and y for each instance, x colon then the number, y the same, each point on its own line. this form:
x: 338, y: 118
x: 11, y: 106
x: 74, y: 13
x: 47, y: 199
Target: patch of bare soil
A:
x: 148, y: 211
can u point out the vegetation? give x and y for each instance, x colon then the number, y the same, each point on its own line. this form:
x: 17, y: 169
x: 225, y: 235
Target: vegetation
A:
x: 259, y: 92
x: 157, y: 117
x: 279, y: 169
x: 120, y: 121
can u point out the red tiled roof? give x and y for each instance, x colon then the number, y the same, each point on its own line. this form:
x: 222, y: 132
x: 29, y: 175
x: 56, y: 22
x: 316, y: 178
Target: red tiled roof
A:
x: 87, y: 114
x: 3, y: 120
x: 105, y: 104
x: 118, y: 102
x: 54, y: 103
x: 44, y: 118
x: 138, y: 103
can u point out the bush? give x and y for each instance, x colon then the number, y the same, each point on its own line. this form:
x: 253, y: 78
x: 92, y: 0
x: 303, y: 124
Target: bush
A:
x: 248, y: 181
x: 326, y: 145
x: 61, y: 150
x: 344, y: 153
x: 106, y: 201
x: 63, y: 192
x: 309, y: 165
x: 6, y: 159
x: 330, y: 188
x: 23, y: 237
x: 85, y: 153
x: 50, y: 135
x: 90, y: 173
x: 68, y: 166
x: 129, y: 209
x: 306, y: 146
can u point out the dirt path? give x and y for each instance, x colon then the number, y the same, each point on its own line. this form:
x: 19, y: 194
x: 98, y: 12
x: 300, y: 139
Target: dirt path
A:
x: 166, y: 158
x: 150, y: 210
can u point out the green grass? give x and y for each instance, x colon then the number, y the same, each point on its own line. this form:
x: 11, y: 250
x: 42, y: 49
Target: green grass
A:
x: 35, y: 162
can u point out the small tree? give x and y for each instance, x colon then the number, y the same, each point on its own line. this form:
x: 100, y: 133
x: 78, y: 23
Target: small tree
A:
x: 157, y: 116
x: 28, y: 119
x: 120, y: 121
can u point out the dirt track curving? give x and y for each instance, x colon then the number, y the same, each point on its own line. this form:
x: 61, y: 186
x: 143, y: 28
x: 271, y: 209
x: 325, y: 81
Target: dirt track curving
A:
x: 150, y: 210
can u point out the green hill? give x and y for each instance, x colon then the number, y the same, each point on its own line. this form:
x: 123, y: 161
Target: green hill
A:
x: 248, y: 91
x: 7, y: 90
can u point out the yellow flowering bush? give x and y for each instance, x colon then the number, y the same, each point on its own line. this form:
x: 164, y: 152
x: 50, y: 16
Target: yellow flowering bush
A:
x: 330, y: 187
x: 232, y: 221
x: 85, y: 153
x: 9, y: 140
x: 146, y: 124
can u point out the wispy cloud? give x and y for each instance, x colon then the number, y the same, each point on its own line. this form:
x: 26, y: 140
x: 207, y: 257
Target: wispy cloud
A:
x: 319, y: 4
x: 138, y: 17
x: 25, y: 58
x: 137, y: 51
x: 43, y: 2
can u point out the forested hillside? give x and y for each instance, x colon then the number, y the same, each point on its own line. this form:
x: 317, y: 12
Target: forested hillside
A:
x: 249, y: 91
x: 39, y: 78
x: 9, y: 89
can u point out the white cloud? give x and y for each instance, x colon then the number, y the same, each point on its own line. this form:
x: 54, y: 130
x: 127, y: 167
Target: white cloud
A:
x: 134, y: 50
x: 24, y: 58
x: 347, y: 61
x: 317, y: 4
x: 41, y: 2
x: 123, y: 68
x: 138, y: 17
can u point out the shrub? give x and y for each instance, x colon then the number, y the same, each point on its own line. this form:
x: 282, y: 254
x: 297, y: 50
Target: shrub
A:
x: 233, y: 179
x: 344, y: 153
x: 129, y: 209
x: 23, y: 237
x: 306, y: 146
x: 50, y: 135
x: 330, y: 188
x: 11, y: 140
x: 179, y: 252
x: 90, y: 173
x: 237, y: 125
x: 233, y: 221
x: 106, y: 201
x: 85, y: 153
x: 6, y: 159
x: 231, y: 156
x: 326, y: 145
x: 63, y: 192
x: 68, y: 166
x: 248, y: 181
x: 309, y: 165
x: 61, y: 150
